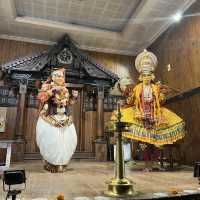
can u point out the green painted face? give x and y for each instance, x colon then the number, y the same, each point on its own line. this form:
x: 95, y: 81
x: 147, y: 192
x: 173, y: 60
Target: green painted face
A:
x: 146, y: 78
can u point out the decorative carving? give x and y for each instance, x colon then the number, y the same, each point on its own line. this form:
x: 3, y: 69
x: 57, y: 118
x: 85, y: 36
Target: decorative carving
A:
x: 94, y: 72
x: 65, y: 57
x: 32, y: 101
x: 110, y: 102
x: 7, y: 97
x: 22, y: 89
x: 21, y: 76
x: 34, y: 62
x: 4, y: 91
x: 80, y: 68
x: 90, y: 102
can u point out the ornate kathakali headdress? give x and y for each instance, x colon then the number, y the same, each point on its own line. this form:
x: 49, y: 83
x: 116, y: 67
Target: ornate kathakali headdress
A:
x: 146, y: 62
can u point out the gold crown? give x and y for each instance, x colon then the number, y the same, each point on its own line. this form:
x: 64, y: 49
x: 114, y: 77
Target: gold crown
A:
x: 146, y: 62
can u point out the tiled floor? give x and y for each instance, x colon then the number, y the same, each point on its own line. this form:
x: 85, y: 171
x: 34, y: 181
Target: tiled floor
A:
x: 85, y: 180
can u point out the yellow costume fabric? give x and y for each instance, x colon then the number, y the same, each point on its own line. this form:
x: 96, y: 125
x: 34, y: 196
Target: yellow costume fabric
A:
x: 136, y: 99
x: 162, y: 134
x: 168, y: 127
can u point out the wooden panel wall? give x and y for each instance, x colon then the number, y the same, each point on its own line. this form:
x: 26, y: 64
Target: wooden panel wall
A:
x: 30, y: 126
x: 11, y: 49
x: 180, y: 47
x: 121, y: 65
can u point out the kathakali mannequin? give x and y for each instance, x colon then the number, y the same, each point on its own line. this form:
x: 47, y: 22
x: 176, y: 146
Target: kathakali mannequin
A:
x: 151, y: 123
x: 55, y: 132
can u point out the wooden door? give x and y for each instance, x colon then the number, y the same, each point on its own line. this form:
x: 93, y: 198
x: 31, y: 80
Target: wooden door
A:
x: 83, y: 124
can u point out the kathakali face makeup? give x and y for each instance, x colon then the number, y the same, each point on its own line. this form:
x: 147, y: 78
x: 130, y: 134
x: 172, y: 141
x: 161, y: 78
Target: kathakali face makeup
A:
x: 58, y: 76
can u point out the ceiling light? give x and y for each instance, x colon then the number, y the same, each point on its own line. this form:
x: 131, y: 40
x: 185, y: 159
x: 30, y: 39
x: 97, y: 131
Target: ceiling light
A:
x: 177, y: 17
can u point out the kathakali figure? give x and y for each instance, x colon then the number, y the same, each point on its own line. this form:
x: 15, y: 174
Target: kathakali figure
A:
x: 55, y: 132
x: 151, y: 122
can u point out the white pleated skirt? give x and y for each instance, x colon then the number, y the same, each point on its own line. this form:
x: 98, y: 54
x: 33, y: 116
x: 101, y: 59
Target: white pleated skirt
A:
x: 56, y: 145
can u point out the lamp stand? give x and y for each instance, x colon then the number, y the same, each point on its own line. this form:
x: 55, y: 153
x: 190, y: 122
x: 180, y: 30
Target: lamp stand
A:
x: 120, y: 186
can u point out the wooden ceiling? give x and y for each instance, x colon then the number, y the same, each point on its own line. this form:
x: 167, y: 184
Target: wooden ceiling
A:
x: 111, y: 26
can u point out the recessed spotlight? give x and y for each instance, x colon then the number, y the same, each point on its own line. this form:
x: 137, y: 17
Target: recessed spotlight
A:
x: 177, y: 17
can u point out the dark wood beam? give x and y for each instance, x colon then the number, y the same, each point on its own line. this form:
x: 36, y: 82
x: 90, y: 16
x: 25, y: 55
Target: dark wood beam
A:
x: 183, y: 95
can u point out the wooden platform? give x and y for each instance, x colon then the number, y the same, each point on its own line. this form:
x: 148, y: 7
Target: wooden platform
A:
x: 85, y: 180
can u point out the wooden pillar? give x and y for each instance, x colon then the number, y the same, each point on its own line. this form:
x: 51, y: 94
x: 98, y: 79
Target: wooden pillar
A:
x: 100, y: 142
x: 100, y: 114
x: 81, y: 128
x: 20, y: 123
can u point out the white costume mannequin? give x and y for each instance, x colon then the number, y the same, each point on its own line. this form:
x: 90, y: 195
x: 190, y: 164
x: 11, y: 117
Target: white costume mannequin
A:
x: 55, y: 132
x: 57, y: 145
